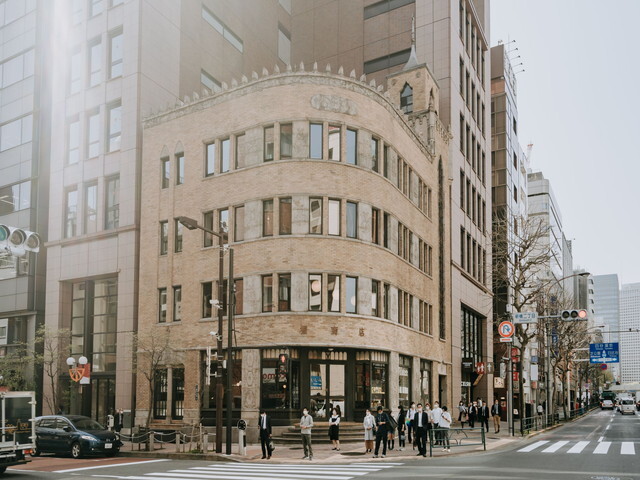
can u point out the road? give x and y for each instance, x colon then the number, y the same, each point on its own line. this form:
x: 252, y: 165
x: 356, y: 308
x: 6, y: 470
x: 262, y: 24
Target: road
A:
x: 601, y: 446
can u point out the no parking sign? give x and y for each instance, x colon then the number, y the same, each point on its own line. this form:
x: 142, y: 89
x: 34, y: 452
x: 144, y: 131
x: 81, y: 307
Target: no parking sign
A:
x: 506, y: 329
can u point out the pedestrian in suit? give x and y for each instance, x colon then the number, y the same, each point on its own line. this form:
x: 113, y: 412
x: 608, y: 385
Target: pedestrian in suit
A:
x: 382, y: 425
x: 496, y: 412
x: 420, y: 424
x: 483, y: 415
x: 119, y: 420
x: 306, y: 424
x: 473, y: 414
x: 264, y: 426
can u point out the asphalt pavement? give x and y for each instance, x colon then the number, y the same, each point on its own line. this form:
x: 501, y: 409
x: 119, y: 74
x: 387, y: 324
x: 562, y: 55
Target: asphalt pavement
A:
x: 603, y: 445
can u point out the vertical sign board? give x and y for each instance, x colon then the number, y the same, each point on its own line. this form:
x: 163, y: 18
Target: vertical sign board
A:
x: 604, y: 352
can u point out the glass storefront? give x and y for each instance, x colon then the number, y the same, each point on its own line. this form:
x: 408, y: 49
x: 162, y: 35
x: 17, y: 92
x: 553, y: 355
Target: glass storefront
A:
x: 404, y: 381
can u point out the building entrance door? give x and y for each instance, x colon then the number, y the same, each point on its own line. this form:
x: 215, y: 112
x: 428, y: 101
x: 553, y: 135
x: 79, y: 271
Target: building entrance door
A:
x: 327, y: 388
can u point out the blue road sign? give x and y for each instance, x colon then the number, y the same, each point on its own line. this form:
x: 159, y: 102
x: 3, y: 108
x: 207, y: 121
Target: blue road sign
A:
x: 604, y: 353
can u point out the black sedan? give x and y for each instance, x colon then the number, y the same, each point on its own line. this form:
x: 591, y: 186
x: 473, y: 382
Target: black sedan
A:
x: 75, y: 435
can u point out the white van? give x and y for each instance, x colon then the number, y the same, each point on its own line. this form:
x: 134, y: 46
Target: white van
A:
x: 627, y: 405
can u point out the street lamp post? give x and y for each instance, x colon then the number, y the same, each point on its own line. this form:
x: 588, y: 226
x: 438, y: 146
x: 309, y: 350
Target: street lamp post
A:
x: 192, y: 224
x: 78, y: 372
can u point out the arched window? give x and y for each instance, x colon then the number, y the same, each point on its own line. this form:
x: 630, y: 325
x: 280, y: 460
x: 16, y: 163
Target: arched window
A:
x: 406, y: 99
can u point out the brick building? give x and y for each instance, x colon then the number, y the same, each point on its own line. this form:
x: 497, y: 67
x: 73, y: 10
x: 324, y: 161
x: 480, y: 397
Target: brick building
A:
x: 335, y: 194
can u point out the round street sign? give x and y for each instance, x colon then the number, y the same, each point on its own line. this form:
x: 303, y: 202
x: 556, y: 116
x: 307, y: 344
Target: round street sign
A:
x: 603, y: 366
x: 506, y: 329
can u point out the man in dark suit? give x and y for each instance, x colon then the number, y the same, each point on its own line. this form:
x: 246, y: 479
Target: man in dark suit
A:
x: 420, y: 424
x: 264, y: 425
x: 483, y: 414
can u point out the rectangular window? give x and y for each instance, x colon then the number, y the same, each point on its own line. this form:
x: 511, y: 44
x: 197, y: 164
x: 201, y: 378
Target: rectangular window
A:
x: 160, y: 394
x: 206, y: 299
x: 224, y: 155
x: 284, y: 215
x: 401, y: 295
x: 238, y: 227
x: 268, y: 143
x: 267, y: 218
x: 115, y: 54
x: 352, y: 294
x: 95, y: 62
x: 374, y: 153
x: 73, y: 149
x: 222, y: 29
x: 284, y: 45
x: 286, y: 140
x: 462, y: 134
x: 71, y: 215
x: 333, y: 293
x: 165, y: 167
x: 375, y: 226
x: 177, y: 393
x: 75, y: 72
x: 90, y: 208
x: 267, y: 293
x: 315, y: 216
x: 164, y: 237
x: 208, y: 81
x: 223, y: 220
x: 180, y: 169
x: 315, y: 140
x: 385, y: 230
x: 334, y: 143
x: 112, y: 203
x: 462, y: 248
x: 375, y: 292
x: 162, y: 305
x: 210, y: 159
x: 385, y: 300
x: 115, y: 126
x: 207, y: 220
x: 177, y: 303
x: 352, y: 147
x: 352, y: 220
x: 239, y: 298
x: 93, y: 134
x: 241, y: 151
x: 385, y: 161
x: 95, y: 7
x: 334, y: 217
x: 315, y: 292
x: 284, y: 292
x: 177, y: 236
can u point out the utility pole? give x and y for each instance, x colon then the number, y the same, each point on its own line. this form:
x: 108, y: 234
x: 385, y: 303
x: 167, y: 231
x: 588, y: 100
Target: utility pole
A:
x: 231, y: 302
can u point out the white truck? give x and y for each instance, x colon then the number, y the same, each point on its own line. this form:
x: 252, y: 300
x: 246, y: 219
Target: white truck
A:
x: 18, y: 429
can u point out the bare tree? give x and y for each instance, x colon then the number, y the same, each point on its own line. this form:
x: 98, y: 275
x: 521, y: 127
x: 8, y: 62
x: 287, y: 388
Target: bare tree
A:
x: 153, y: 349
x: 51, y: 349
x: 521, y: 258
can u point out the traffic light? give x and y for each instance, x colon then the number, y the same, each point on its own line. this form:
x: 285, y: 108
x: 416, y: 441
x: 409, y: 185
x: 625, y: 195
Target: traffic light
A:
x: 570, y: 315
x: 18, y: 241
x: 283, y: 363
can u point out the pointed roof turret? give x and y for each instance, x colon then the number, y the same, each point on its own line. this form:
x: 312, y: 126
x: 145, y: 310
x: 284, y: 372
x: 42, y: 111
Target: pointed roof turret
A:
x: 413, y: 58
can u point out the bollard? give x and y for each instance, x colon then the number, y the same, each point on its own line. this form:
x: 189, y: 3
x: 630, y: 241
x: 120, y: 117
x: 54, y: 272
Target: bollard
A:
x: 205, y: 443
x: 178, y: 438
x: 242, y: 442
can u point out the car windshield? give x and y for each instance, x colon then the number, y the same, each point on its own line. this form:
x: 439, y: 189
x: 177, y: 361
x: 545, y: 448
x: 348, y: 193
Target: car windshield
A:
x: 627, y: 402
x: 87, y: 424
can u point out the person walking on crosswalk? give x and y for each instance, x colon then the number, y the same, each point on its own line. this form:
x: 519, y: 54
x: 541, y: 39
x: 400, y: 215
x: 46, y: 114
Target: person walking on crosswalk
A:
x: 382, y: 423
x: 306, y: 424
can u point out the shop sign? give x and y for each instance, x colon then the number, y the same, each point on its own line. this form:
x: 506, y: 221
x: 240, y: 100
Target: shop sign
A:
x: 316, y: 382
x: 465, y: 384
x: 268, y: 375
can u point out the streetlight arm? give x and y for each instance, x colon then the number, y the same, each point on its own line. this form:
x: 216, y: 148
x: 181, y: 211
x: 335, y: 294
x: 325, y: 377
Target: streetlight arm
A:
x: 192, y: 224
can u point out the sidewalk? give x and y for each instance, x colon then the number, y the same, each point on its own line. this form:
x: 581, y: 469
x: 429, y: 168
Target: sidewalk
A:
x: 323, y: 453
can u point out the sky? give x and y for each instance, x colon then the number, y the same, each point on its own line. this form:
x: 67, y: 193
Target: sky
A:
x: 579, y: 104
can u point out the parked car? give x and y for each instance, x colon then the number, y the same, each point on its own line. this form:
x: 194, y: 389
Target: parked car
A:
x: 627, y: 406
x: 75, y: 435
x: 606, y: 404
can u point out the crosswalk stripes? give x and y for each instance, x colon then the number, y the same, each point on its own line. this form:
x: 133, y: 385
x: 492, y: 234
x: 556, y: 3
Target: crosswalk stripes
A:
x: 253, y: 471
x: 600, y: 447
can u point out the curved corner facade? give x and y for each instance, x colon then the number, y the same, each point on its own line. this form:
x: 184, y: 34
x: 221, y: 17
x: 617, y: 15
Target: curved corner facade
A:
x: 334, y: 204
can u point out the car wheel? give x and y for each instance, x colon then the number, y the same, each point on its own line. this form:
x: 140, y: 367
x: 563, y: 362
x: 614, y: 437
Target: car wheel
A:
x: 113, y: 452
x: 76, y: 451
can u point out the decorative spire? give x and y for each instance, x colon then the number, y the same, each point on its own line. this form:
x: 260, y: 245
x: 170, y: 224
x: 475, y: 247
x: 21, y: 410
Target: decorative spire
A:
x: 413, y: 58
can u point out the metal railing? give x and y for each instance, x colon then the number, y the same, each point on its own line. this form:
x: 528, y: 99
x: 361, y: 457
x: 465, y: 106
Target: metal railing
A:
x: 540, y: 422
x: 456, y: 437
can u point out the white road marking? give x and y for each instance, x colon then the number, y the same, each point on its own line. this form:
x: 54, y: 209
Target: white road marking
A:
x: 555, y: 447
x: 600, y: 439
x: 578, y: 447
x: 242, y: 475
x: 607, y: 427
x: 533, y: 446
x: 627, y: 449
x: 113, y: 465
x: 602, y: 448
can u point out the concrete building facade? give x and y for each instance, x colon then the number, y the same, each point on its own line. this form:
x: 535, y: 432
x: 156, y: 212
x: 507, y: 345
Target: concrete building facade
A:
x: 336, y: 203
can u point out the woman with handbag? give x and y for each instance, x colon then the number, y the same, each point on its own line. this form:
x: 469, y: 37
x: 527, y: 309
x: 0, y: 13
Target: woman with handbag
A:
x: 334, y: 429
x: 369, y: 424
x: 402, y: 427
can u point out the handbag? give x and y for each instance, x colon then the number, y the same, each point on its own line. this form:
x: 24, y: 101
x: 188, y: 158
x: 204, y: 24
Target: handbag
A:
x: 392, y: 422
x: 401, y: 436
x: 271, y: 446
